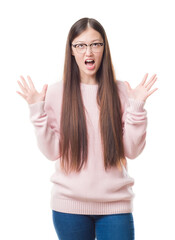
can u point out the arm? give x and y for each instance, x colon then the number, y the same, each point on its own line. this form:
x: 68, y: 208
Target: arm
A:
x: 44, y: 121
x: 134, y: 128
x: 135, y: 117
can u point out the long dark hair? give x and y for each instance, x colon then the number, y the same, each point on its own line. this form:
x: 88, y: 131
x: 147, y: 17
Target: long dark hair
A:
x: 73, y: 143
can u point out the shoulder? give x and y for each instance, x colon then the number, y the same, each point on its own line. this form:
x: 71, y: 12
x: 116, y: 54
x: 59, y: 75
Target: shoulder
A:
x: 54, y: 90
x: 55, y: 87
x: 54, y: 95
x: 122, y: 91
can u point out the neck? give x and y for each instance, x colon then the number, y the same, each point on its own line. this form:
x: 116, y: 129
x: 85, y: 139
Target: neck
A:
x: 89, y: 80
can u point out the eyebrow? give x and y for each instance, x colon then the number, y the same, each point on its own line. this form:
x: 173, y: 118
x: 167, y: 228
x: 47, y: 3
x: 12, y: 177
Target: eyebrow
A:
x: 92, y: 41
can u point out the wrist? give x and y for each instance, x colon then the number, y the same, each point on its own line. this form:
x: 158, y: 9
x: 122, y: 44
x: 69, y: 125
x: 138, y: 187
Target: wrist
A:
x: 136, y: 105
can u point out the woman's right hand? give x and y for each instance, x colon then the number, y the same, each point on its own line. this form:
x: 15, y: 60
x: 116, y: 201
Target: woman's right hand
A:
x: 30, y: 94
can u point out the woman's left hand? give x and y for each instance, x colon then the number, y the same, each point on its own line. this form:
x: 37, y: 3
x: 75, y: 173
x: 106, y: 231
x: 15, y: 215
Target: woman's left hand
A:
x: 141, y: 92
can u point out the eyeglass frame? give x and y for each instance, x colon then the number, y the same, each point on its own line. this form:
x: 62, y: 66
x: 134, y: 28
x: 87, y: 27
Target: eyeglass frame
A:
x: 74, y: 45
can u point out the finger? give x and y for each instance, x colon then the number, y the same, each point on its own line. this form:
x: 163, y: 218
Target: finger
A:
x: 22, y: 95
x: 151, y: 84
x: 152, y: 78
x: 21, y: 86
x: 31, y: 83
x: 25, y: 84
x: 144, y: 79
x: 152, y: 92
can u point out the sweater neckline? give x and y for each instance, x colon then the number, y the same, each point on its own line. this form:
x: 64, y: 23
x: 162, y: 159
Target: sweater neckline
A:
x: 89, y: 86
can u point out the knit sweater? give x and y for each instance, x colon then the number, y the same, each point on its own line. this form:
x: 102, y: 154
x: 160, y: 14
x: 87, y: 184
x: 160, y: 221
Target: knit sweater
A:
x: 93, y: 190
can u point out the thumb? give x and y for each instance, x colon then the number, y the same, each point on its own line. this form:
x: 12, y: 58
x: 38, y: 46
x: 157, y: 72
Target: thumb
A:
x: 127, y: 85
x: 44, y: 90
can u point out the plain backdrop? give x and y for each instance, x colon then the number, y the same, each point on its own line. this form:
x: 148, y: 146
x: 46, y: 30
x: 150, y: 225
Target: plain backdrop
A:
x: 33, y: 37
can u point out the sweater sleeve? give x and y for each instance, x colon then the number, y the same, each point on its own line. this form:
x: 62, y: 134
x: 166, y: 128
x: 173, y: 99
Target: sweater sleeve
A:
x: 44, y: 121
x: 134, y: 128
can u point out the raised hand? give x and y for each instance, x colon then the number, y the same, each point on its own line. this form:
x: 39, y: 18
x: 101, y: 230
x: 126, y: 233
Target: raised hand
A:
x: 141, y: 92
x: 30, y: 94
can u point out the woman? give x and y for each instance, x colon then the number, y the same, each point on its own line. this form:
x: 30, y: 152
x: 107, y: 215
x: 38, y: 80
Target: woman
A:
x: 90, y: 123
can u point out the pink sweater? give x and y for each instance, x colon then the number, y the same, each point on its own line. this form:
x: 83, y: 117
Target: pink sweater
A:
x: 92, y: 191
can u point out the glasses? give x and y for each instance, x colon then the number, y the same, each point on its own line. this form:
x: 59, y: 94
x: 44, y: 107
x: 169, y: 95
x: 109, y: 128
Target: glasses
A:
x: 95, y: 47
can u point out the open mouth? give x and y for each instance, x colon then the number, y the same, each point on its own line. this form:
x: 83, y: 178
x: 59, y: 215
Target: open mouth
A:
x: 89, y: 62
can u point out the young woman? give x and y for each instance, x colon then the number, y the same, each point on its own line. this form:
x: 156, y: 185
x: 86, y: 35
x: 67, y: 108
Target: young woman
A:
x: 89, y: 123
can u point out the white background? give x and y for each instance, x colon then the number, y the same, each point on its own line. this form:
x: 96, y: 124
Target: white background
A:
x: 33, y: 37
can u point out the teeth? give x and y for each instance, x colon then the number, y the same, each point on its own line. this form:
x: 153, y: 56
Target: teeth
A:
x: 89, y: 60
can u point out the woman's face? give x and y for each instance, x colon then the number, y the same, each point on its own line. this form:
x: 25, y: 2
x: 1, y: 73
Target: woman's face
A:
x: 88, y: 70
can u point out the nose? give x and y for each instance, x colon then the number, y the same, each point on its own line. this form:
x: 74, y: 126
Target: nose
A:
x: 88, y: 50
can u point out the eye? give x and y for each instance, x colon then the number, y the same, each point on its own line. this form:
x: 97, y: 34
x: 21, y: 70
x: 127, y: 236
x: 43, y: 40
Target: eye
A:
x: 96, y: 44
x: 80, y: 45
